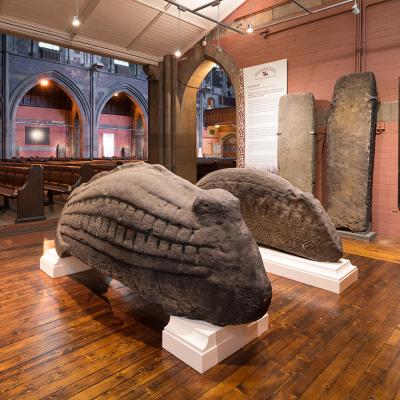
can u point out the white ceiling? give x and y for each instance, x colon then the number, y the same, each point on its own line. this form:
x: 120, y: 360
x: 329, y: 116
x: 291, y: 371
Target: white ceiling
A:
x: 136, y: 30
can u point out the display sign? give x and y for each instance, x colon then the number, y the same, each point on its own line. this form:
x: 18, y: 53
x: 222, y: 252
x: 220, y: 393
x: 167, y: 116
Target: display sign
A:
x: 263, y: 87
x: 37, y: 135
x: 108, y: 145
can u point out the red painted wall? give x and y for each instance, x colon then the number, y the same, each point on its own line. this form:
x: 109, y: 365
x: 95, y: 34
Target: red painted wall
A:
x: 382, y: 56
x: 318, y: 53
x: 122, y: 137
x: 57, y: 133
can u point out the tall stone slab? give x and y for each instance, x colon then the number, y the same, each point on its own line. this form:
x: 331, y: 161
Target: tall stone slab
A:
x: 297, y: 140
x: 350, y: 151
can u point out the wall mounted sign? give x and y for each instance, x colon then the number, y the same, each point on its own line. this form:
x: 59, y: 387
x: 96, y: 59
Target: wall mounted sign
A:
x: 263, y: 86
x: 37, y: 135
x: 108, y: 145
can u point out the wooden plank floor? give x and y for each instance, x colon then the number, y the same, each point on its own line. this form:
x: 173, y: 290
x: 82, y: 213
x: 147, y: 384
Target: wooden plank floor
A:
x: 86, y: 337
x: 380, y: 249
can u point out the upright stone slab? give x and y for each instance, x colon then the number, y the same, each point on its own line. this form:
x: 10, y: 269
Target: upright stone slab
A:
x: 350, y: 151
x: 297, y: 140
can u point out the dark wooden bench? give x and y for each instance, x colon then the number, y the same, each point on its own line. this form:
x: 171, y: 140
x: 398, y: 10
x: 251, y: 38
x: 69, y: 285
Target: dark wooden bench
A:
x: 26, y: 185
x: 208, y: 165
x: 63, y: 179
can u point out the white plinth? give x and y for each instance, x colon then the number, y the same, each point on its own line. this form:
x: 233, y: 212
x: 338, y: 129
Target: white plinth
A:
x: 335, y: 277
x: 54, y: 266
x: 202, y: 345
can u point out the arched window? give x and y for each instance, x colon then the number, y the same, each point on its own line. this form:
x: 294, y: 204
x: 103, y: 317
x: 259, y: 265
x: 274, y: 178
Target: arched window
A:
x: 43, y: 122
x: 229, y: 146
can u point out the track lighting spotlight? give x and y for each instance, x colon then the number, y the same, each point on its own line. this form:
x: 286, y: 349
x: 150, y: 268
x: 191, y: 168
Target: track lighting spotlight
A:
x: 355, y: 9
x: 75, y: 21
x: 178, y: 52
x: 250, y: 28
x: 75, y: 18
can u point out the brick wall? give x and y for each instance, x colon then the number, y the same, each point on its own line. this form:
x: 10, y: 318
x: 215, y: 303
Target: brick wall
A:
x: 58, y: 134
x: 320, y: 50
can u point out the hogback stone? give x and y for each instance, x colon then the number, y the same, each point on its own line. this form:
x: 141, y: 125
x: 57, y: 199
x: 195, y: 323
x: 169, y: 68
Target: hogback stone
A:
x: 175, y: 244
x: 278, y: 214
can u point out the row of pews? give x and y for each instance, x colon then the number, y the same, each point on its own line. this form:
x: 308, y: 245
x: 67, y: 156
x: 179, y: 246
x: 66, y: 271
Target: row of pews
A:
x: 30, y: 181
x: 207, y: 165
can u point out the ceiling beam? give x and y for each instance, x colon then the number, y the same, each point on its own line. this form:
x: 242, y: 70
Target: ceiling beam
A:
x: 213, y: 3
x: 14, y: 26
x: 84, y: 15
x: 2, y: 5
x: 307, y: 10
x: 172, y: 14
x: 184, y: 8
x: 148, y: 26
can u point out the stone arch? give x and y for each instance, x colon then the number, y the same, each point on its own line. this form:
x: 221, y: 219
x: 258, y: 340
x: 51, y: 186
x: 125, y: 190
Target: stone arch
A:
x: 226, y: 137
x: 191, y: 74
x: 136, y: 97
x: 2, y: 144
x: 69, y: 87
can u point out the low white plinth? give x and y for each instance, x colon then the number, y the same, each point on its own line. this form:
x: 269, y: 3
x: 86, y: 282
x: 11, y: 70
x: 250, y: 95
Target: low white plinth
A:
x: 335, y: 277
x: 54, y: 266
x: 202, y: 345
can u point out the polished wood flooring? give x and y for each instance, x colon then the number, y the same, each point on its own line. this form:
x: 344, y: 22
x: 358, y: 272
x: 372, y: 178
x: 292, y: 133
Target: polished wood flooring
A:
x: 380, y: 249
x: 8, y: 216
x: 86, y: 337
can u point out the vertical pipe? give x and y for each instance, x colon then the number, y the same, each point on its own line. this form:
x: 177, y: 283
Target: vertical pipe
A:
x: 92, y: 109
x: 398, y: 146
x: 167, y: 111
x: 7, y: 144
x: 160, y: 116
x: 174, y: 91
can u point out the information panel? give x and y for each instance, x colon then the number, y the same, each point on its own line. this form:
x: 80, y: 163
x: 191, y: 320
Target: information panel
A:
x: 263, y: 87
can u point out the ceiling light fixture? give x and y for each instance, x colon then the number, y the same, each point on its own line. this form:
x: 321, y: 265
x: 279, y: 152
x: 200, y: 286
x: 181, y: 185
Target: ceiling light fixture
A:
x: 218, y: 35
x: 75, y: 18
x: 44, y: 82
x: 250, y: 28
x: 204, y: 42
x: 178, y: 52
x: 355, y: 9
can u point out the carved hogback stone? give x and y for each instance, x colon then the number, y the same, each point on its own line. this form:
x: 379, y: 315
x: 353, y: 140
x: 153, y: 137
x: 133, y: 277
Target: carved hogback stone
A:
x: 278, y: 214
x: 297, y: 140
x: 350, y: 151
x: 182, y: 247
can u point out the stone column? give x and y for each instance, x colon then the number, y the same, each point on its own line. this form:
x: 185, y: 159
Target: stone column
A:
x: 6, y: 145
x: 155, y: 82
x: 162, y: 112
x: 92, y: 153
x: 169, y: 117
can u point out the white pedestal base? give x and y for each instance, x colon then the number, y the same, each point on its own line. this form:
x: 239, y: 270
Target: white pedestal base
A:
x: 335, y: 277
x: 202, y: 345
x: 55, y: 267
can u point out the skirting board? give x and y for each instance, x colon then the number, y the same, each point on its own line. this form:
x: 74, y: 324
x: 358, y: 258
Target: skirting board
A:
x: 335, y: 277
x: 202, y: 345
x: 362, y: 236
x: 55, y: 267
